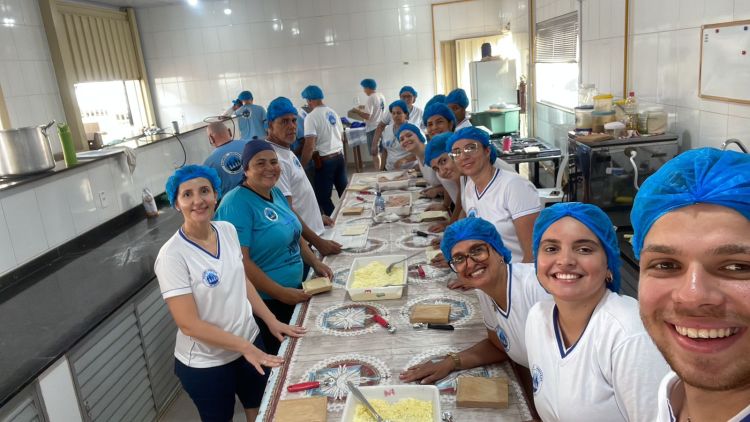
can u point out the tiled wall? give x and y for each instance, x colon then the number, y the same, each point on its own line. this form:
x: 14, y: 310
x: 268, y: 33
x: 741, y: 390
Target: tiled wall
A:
x: 26, y: 73
x: 42, y: 215
x: 199, y: 58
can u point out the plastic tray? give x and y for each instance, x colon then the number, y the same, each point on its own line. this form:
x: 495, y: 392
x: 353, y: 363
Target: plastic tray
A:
x: 375, y: 293
x: 392, y: 394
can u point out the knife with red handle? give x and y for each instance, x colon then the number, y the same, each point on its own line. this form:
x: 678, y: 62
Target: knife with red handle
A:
x: 303, y: 386
x: 382, y: 321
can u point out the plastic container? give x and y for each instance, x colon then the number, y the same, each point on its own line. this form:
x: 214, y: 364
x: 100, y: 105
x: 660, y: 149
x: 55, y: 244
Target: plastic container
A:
x: 379, y: 204
x: 68, y: 148
x: 616, y: 129
x: 631, y: 112
x: 583, y: 117
x: 656, y: 121
x: 498, y: 121
x: 603, y: 103
x: 376, y: 293
x: 149, y: 204
x: 392, y: 394
x: 402, y: 210
x: 586, y: 94
x: 601, y: 118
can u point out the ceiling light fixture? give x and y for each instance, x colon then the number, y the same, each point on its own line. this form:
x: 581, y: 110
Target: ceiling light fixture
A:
x: 227, y: 11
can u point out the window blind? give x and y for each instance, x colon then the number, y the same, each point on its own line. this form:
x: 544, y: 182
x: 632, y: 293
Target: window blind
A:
x: 100, y: 42
x: 557, y: 39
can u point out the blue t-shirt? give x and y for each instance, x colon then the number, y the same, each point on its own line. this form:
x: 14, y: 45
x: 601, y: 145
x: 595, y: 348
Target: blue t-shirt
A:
x: 269, y: 229
x: 251, y: 126
x: 227, y: 161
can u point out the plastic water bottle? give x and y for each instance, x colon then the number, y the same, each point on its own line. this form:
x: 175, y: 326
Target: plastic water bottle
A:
x: 631, y: 111
x: 379, y: 204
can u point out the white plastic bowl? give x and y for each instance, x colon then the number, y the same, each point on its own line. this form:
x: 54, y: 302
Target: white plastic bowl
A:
x: 376, y: 293
x: 392, y: 394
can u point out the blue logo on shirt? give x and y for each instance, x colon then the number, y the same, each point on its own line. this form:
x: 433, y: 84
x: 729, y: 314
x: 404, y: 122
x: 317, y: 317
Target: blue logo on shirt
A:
x: 472, y: 212
x: 382, y: 105
x: 211, y: 278
x: 231, y: 162
x: 331, y: 118
x: 294, y: 243
x: 536, y: 378
x: 297, y: 163
x: 270, y: 214
x: 503, y: 338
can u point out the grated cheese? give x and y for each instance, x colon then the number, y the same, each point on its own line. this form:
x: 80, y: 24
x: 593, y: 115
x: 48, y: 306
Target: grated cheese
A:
x: 374, y: 275
x: 406, y: 410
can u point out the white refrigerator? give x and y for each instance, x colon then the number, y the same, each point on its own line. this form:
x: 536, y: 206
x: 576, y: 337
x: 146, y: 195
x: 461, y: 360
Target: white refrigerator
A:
x: 492, y: 82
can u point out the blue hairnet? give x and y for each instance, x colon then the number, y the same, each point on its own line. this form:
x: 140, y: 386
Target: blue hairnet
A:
x: 439, y: 98
x: 457, y: 96
x: 697, y: 176
x: 472, y: 228
x: 280, y: 107
x: 312, y: 92
x: 439, y: 109
x: 474, y: 134
x: 190, y: 172
x: 590, y: 216
x: 245, y: 96
x: 411, y: 128
x: 237, y: 102
x: 400, y: 104
x: 253, y: 147
x: 369, y: 83
x: 436, y: 147
x: 407, y: 88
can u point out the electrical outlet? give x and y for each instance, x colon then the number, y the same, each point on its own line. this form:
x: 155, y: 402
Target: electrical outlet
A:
x: 103, y: 201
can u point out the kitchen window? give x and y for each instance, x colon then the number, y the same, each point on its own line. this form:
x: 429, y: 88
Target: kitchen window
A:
x: 556, y: 61
x: 113, y: 109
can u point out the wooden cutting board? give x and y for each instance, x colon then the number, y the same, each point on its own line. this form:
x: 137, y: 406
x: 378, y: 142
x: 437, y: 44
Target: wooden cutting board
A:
x: 482, y: 392
x: 317, y: 285
x: 436, y: 314
x: 311, y: 409
x: 352, y: 210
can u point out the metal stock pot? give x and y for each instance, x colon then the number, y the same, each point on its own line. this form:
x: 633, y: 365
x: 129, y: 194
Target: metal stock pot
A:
x: 25, y: 151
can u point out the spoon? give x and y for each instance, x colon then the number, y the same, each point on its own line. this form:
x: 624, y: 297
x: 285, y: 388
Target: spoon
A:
x: 361, y: 397
x: 393, y: 264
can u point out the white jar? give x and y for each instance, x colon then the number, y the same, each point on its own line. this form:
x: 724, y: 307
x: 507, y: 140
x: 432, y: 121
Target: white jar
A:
x: 656, y: 121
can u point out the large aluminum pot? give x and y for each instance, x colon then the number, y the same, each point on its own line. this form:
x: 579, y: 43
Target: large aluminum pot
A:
x: 25, y: 151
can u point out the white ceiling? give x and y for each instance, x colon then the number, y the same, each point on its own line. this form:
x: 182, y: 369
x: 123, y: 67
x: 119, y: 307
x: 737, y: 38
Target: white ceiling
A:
x: 135, y: 3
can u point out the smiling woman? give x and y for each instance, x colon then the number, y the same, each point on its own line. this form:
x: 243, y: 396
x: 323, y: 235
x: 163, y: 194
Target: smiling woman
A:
x: 589, y: 332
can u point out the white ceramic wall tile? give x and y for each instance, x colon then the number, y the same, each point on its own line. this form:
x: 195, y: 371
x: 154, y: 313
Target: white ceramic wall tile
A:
x: 687, y: 126
x: 713, y: 130
x: 104, y: 191
x: 716, y: 11
x: 56, y: 215
x: 668, y: 68
x: 22, y: 214
x: 643, y: 58
x: 738, y: 127
x: 7, y: 257
x: 81, y: 202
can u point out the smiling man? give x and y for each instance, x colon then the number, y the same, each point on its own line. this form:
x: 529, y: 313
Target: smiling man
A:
x: 691, y: 222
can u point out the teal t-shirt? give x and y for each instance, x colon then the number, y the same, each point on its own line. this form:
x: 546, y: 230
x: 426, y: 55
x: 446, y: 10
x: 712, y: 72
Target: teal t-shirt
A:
x: 269, y: 229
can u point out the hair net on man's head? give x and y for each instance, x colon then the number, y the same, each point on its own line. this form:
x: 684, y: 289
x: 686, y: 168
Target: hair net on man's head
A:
x: 279, y: 107
x: 245, y: 96
x: 439, y: 98
x: 698, y: 176
x: 190, y: 172
x: 438, y: 109
x: 407, y: 88
x: 369, y: 83
x: 237, y: 102
x: 312, y: 92
x: 457, y: 96
x: 436, y: 147
x: 253, y: 147
x: 590, y: 216
x: 400, y: 104
x: 472, y: 228
x: 411, y: 128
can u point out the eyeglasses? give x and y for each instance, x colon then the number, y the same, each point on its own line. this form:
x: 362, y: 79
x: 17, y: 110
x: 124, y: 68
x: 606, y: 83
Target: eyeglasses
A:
x: 469, y: 149
x: 478, y: 253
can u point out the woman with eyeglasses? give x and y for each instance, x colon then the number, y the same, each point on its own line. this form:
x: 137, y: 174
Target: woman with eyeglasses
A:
x: 591, y: 359
x: 504, y: 198
x: 476, y: 253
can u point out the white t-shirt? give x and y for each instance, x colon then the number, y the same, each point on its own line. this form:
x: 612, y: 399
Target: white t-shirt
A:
x: 415, y: 117
x: 325, y: 125
x: 666, y: 414
x: 294, y: 182
x: 507, y: 197
x: 217, y: 284
x: 428, y: 174
x: 611, y: 374
x: 375, y: 107
x: 393, y: 147
x: 464, y: 123
x: 451, y: 187
x: 523, y: 291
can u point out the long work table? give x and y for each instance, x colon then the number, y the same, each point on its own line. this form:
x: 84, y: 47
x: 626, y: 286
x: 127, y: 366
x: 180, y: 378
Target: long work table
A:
x: 344, y: 343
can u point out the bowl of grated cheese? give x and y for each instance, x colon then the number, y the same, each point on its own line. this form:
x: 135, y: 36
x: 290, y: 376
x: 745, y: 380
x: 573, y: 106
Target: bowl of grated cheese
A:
x: 368, y: 279
x: 396, y: 403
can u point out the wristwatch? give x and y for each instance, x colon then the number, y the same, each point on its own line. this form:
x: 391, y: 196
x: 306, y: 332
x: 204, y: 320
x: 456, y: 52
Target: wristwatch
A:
x: 456, y: 360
